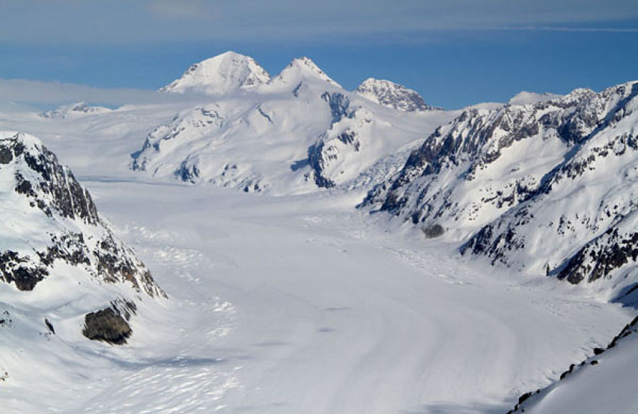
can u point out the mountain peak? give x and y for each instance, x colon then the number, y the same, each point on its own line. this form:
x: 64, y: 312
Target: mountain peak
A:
x: 392, y: 95
x: 300, y: 69
x: 525, y: 98
x: 75, y: 110
x: 219, y: 75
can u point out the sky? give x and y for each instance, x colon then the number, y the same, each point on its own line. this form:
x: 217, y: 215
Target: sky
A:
x: 454, y: 52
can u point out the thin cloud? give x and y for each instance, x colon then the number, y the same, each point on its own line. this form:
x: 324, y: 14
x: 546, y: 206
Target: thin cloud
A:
x: 572, y: 29
x: 138, y: 22
x: 183, y: 9
x: 29, y: 92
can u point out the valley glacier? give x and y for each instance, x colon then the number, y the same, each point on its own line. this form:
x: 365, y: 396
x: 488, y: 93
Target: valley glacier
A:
x: 282, y: 296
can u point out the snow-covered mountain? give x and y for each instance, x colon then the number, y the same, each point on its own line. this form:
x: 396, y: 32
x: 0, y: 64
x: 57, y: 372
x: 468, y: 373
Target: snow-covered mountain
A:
x: 219, y: 75
x: 279, y: 301
x: 298, y: 71
x: 545, y: 188
x: 603, y: 383
x: 526, y: 98
x: 296, y: 133
x: 59, y: 263
x: 75, y: 110
x: 392, y: 95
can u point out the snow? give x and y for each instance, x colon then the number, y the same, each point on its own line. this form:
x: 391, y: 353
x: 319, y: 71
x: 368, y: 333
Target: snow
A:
x: 299, y: 70
x: 526, y: 98
x: 392, y: 95
x: 541, y: 189
x: 75, y: 110
x: 291, y: 301
x: 282, y: 138
x: 603, y: 383
x: 295, y: 304
x: 219, y: 75
x: 302, y: 303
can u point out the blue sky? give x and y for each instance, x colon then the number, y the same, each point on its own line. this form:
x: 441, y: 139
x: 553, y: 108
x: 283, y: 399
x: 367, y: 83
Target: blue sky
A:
x: 454, y: 52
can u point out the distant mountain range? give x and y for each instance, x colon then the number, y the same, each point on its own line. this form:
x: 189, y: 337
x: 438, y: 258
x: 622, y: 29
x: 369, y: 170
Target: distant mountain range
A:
x: 292, y: 133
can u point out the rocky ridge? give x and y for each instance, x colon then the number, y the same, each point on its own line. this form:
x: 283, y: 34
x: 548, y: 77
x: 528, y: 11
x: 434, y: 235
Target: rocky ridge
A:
x: 54, y: 243
x: 546, y: 188
x: 392, y: 95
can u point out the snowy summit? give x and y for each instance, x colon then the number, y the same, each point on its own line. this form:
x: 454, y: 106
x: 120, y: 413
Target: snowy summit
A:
x: 392, y: 95
x: 75, y: 110
x: 301, y: 69
x: 526, y: 98
x: 219, y: 75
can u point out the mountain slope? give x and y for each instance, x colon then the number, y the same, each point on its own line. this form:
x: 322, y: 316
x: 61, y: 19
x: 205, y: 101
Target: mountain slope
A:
x: 545, y: 188
x: 604, y: 382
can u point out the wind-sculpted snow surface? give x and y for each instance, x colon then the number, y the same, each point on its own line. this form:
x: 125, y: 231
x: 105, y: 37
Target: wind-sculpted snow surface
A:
x: 296, y: 133
x: 546, y: 188
x: 301, y: 304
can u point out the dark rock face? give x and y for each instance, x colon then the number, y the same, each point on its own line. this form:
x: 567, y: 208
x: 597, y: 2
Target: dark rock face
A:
x: 49, y: 326
x: 187, y: 173
x: 317, y: 159
x: 601, y: 256
x: 107, y: 325
x: 317, y: 163
x: 116, y: 263
x: 56, y: 227
x: 468, y: 145
x: 433, y: 231
x: 5, y: 319
x: 477, y: 138
x: 20, y: 270
x: 6, y: 155
x: 339, y: 106
x: 323, y: 152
